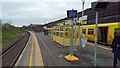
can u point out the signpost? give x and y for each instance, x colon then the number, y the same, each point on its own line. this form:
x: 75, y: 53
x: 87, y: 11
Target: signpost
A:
x: 71, y: 14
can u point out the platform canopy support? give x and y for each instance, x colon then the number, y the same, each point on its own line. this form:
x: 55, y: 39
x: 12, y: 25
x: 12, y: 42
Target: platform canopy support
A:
x: 97, y: 7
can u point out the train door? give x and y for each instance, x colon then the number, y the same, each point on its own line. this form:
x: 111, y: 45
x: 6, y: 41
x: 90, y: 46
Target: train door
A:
x: 102, y: 34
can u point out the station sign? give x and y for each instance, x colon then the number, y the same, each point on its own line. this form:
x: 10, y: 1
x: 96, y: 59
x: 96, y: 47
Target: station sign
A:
x: 81, y: 22
x: 71, y: 13
x: 83, y: 18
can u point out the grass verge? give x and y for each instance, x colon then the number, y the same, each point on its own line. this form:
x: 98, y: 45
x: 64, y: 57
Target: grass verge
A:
x: 9, y: 34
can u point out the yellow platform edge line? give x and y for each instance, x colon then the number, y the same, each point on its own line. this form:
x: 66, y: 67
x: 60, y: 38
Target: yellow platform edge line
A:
x: 103, y: 47
x: 30, y: 62
x: 35, y: 45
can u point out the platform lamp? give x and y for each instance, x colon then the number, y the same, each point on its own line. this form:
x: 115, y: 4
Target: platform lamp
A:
x: 97, y: 6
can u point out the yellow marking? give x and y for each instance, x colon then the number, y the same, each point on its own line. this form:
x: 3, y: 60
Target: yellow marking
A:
x: 71, y: 58
x: 37, y: 52
x: 30, y: 62
x: 100, y: 46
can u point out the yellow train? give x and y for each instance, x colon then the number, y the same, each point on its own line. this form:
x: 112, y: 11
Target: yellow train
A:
x: 106, y: 33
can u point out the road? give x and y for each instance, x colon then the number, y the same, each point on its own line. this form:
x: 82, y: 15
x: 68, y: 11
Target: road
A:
x: 52, y: 54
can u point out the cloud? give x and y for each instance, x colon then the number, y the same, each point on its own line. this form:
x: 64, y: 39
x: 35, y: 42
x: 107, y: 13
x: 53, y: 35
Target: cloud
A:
x: 24, y: 13
x: 0, y: 10
x: 55, y: 0
x: 46, y: 0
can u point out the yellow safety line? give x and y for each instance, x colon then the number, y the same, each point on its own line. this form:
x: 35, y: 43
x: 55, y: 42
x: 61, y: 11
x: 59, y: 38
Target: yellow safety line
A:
x: 101, y: 47
x: 30, y: 62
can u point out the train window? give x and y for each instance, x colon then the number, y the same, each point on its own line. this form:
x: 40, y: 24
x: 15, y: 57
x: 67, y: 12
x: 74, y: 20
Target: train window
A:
x: 66, y: 29
x: 57, y: 29
x: 57, y: 33
x: 84, y: 31
x: 61, y: 34
x: 54, y: 33
x: 91, y: 31
x: 66, y: 34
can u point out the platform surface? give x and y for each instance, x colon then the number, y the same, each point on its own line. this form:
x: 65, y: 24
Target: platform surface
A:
x: 31, y: 55
x: 53, y: 54
x: 46, y: 52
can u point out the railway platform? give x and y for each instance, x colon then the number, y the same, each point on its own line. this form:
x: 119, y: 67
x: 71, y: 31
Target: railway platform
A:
x: 53, y: 54
x: 42, y: 51
x: 31, y: 55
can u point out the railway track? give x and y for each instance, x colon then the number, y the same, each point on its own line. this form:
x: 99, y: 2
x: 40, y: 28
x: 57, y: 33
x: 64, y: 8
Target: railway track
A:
x: 10, y: 56
x: 12, y: 44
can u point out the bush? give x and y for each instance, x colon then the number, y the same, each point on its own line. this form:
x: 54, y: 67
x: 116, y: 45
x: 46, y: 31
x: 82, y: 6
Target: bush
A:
x: 9, y: 33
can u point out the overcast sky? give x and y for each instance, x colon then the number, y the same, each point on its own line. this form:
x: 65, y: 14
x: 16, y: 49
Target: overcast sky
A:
x: 25, y: 12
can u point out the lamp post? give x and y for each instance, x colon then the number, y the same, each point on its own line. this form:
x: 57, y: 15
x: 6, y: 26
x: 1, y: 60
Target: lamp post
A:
x: 97, y: 7
x: 80, y: 30
x: 96, y: 34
